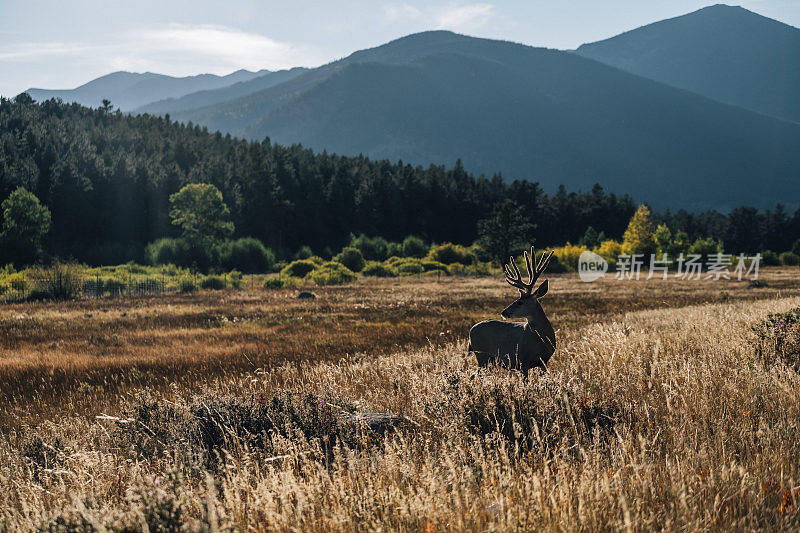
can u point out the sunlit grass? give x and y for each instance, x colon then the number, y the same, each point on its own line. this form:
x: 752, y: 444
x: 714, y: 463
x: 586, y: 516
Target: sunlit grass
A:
x: 659, y: 411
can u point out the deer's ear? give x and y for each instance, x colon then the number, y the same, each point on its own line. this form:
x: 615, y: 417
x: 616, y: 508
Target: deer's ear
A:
x: 542, y: 290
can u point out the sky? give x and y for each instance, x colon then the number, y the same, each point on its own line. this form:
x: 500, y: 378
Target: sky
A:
x: 57, y: 44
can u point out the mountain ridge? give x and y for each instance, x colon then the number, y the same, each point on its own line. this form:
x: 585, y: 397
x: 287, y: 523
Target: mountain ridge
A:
x: 128, y: 90
x: 726, y: 53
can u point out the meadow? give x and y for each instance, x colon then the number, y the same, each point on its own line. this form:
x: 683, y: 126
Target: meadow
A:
x: 668, y: 405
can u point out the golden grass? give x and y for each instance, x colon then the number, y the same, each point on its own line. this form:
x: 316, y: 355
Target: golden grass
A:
x: 656, y: 412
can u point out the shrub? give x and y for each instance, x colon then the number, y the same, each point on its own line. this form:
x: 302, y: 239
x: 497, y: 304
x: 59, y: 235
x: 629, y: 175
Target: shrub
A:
x: 372, y: 248
x: 114, y: 286
x: 187, y: 285
x: 299, y: 268
x: 332, y: 273
x: 705, y: 247
x: 448, y: 253
x: 789, y: 259
x: 770, y: 258
x: 351, y: 258
x: 304, y: 253
x: 166, y: 251
x: 235, y: 279
x: 246, y: 254
x: 567, y: 255
x: 317, y: 260
x: 457, y: 269
x: 409, y: 267
x: 394, y: 248
x: 61, y: 281
x: 379, y: 270
x: 215, y: 283
x: 275, y: 282
x: 433, y: 266
x: 413, y: 246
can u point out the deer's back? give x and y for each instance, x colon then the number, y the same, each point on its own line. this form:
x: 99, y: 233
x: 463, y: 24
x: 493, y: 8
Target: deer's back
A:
x: 496, y: 337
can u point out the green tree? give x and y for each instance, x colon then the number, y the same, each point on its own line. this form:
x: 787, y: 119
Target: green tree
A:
x: 25, y: 224
x: 414, y: 247
x: 200, y: 212
x: 506, y: 232
x: 590, y: 239
x: 663, y: 239
x: 638, y: 237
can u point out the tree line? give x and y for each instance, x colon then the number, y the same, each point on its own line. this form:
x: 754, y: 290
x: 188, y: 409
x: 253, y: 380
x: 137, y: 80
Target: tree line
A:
x: 106, y: 179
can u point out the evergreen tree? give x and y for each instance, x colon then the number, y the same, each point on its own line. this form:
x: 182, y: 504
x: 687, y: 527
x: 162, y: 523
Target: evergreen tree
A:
x: 507, y: 231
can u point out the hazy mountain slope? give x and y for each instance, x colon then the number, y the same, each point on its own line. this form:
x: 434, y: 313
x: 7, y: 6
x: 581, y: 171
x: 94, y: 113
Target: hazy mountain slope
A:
x: 128, y: 90
x: 532, y: 113
x: 215, y: 96
x: 723, y: 52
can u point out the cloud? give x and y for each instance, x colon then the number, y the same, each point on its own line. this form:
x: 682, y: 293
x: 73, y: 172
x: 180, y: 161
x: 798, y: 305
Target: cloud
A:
x: 223, y: 44
x: 33, y: 51
x: 453, y: 16
x: 178, y: 49
x: 468, y: 16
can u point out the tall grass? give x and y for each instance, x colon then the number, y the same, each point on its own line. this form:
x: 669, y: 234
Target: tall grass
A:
x: 662, y: 419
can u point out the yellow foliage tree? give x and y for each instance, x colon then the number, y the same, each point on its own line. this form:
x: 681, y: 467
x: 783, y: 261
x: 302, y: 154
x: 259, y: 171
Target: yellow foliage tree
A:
x: 638, y: 238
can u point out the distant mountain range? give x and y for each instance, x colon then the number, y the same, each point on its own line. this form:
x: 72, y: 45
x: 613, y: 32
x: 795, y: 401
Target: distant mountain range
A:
x: 723, y: 52
x: 215, y: 96
x: 699, y: 111
x: 128, y: 90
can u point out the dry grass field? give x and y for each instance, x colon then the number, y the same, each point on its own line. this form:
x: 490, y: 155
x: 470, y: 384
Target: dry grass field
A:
x: 665, y: 407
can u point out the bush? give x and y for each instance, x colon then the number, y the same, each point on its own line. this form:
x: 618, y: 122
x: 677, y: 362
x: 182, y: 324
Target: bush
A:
x: 770, y: 258
x: 187, y: 285
x: 235, y: 279
x: 567, y: 256
x: 166, y: 251
x: 705, y: 247
x: 379, y: 270
x: 274, y: 282
x: 414, y: 247
x: 114, y: 286
x: 215, y: 283
x: 61, y: 281
x: 457, y: 269
x: 449, y: 253
x: 789, y: 259
x: 409, y: 267
x: 394, y: 248
x: 351, y: 258
x: 332, y: 273
x: 246, y: 254
x: 433, y: 266
x: 372, y: 248
x: 304, y: 253
x: 299, y: 268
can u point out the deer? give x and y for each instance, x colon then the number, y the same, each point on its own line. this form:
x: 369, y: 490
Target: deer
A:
x: 518, y: 345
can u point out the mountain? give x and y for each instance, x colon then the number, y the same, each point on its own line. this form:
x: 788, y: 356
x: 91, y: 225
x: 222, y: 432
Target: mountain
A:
x: 727, y: 53
x: 215, y: 96
x: 546, y: 115
x: 128, y: 90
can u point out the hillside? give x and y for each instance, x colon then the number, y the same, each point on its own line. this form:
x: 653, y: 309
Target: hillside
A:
x: 723, y: 52
x: 128, y: 90
x: 532, y: 113
x: 214, y: 96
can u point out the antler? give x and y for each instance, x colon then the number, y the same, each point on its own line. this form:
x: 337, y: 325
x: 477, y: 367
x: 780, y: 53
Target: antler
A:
x: 535, y: 269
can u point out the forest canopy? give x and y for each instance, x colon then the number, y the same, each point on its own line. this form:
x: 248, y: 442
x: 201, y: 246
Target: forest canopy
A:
x: 107, y: 178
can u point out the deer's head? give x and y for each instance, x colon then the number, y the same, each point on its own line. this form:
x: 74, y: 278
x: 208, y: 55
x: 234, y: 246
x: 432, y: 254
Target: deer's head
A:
x: 527, y: 306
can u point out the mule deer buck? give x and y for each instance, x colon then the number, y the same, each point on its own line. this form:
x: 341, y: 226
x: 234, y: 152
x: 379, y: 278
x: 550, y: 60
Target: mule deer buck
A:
x: 514, y: 345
